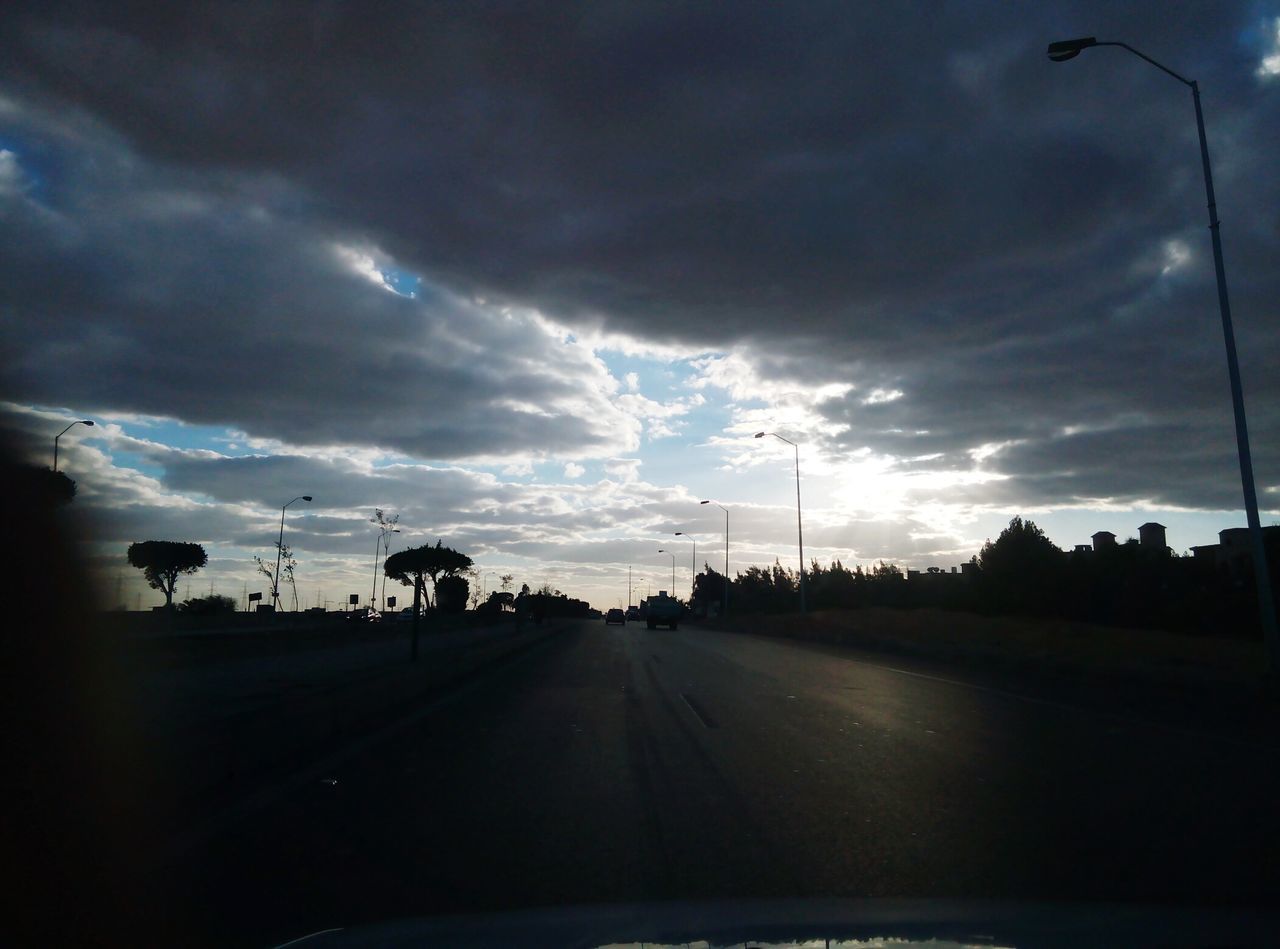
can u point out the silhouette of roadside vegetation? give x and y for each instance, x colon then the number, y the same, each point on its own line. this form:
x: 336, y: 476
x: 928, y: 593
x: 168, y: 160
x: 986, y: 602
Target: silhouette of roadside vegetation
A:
x: 163, y: 561
x: 1023, y: 573
x: 213, y: 605
x: 51, y: 488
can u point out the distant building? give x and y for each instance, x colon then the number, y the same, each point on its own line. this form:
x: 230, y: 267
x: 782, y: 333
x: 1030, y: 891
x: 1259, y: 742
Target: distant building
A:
x: 1151, y: 535
x: 1103, y: 539
x: 1233, y: 549
x: 1206, y: 553
x: 1083, y: 549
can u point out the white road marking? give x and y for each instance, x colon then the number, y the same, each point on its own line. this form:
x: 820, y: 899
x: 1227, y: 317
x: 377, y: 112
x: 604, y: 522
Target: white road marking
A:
x: 696, y: 714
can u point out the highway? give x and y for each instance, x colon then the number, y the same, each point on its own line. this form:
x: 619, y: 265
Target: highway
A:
x: 607, y: 764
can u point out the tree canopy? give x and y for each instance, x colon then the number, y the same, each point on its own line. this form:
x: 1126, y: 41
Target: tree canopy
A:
x: 46, y: 487
x: 1021, y: 567
x: 451, y: 593
x: 412, y: 565
x: 163, y: 561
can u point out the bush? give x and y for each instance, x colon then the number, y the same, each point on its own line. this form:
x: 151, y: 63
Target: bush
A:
x: 214, y: 605
x: 451, y: 594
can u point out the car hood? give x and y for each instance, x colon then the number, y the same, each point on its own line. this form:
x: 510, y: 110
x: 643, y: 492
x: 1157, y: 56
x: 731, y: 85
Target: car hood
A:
x: 825, y: 923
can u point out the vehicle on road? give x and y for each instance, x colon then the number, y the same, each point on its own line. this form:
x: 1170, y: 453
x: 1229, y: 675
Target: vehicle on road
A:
x: 615, y: 616
x: 364, y: 614
x: 633, y: 612
x: 663, y: 610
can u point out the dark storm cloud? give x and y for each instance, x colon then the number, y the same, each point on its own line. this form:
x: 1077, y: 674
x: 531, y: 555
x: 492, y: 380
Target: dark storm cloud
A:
x: 899, y: 195
x: 138, y: 288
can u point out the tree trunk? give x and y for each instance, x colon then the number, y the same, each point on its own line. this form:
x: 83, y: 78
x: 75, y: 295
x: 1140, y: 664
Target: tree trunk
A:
x: 417, y: 602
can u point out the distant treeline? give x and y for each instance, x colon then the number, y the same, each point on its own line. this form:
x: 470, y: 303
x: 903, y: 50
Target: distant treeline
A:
x: 1022, y: 572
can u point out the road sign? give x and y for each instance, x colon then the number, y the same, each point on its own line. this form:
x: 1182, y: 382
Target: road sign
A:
x: 354, y: 599
x: 254, y: 596
x: 391, y: 602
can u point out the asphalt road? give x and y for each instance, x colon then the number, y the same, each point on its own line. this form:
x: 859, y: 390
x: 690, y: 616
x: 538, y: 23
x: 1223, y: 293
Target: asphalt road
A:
x: 619, y: 764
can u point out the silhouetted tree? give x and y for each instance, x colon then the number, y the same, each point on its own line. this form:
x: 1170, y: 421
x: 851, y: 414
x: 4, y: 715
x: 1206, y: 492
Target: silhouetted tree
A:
x: 413, y: 566
x: 50, y: 487
x: 708, y: 589
x: 836, y: 586
x: 1022, y: 569
x: 163, y: 561
x: 287, y: 567
x: 427, y: 561
x: 451, y: 594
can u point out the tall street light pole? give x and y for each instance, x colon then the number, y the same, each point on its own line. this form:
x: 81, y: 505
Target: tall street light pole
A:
x: 1069, y: 49
x: 386, y: 549
x: 383, y: 542
x: 673, y: 568
x: 79, y: 421
x: 693, y: 575
x: 799, y: 522
x: 725, y: 608
x: 275, y: 578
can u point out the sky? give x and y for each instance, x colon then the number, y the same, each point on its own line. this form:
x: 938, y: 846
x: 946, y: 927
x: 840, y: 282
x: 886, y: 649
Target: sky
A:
x: 531, y: 276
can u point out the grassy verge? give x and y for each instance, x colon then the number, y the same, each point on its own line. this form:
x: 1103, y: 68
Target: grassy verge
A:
x: 1044, y: 644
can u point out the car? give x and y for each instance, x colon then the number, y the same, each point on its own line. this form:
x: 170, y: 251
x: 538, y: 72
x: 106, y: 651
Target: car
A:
x: 615, y: 616
x: 633, y: 612
x: 364, y: 614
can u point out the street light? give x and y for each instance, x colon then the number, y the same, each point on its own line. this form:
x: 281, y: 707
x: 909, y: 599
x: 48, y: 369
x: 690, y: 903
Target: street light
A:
x: 693, y: 560
x: 385, y: 551
x: 275, y: 579
x: 384, y: 537
x: 799, y: 523
x: 1069, y: 49
x: 673, y: 568
x: 79, y: 421
x: 725, y: 608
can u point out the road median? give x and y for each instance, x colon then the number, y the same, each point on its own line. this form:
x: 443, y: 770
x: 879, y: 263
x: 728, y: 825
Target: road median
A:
x: 215, y: 763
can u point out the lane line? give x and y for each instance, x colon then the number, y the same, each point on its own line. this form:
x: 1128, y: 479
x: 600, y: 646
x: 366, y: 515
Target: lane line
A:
x: 696, y: 714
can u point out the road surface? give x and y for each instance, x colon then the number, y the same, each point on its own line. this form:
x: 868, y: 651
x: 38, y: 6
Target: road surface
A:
x: 614, y: 763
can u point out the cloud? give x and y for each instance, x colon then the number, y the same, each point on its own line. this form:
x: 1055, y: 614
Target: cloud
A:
x: 574, y: 470
x: 627, y: 469
x: 142, y: 290
x: 889, y: 259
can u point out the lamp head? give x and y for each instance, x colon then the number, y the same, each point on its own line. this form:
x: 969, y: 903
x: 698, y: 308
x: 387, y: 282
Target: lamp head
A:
x: 87, y: 421
x: 306, y: 497
x: 761, y: 434
x: 1063, y: 50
